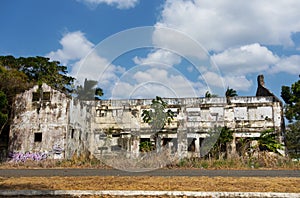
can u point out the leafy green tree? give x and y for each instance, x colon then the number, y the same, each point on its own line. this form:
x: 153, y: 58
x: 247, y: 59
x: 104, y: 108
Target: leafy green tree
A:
x: 12, y: 82
x: 20, y: 74
x: 209, y: 95
x: 293, y: 139
x: 40, y: 70
x: 157, y: 116
x: 3, y: 112
x: 146, y: 146
x: 89, y: 91
x: 291, y: 97
x: 268, y: 141
x: 230, y: 92
x: 226, y: 136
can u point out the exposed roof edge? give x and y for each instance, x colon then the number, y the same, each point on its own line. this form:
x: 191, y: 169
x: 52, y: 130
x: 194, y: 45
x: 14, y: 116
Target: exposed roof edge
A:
x: 262, y: 90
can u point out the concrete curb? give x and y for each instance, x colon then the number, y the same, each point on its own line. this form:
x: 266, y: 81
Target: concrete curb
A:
x: 144, y: 193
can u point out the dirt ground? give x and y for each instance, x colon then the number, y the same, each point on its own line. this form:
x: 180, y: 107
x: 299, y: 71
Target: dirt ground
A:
x: 233, y: 184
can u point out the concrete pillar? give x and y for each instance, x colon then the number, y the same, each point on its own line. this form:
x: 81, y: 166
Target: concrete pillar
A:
x: 158, y: 143
x: 135, y: 146
x: 182, y: 140
x: 197, y: 147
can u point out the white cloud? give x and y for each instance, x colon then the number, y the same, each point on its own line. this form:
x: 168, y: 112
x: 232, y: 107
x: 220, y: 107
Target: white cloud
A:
x: 236, y: 32
x: 84, y: 62
x: 156, y: 82
x: 237, y: 82
x: 289, y: 65
x: 240, y: 83
x: 178, y: 41
x: 159, y: 57
x: 219, y: 25
x: 120, y: 4
x: 74, y: 47
x: 245, y: 59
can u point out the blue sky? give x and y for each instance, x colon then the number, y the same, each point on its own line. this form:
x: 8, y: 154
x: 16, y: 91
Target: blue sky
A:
x: 242, y: 39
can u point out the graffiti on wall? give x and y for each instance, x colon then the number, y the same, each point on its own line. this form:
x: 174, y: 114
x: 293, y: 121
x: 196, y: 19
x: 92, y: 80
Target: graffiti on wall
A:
x: 22, y: 157
x: 56, y: 153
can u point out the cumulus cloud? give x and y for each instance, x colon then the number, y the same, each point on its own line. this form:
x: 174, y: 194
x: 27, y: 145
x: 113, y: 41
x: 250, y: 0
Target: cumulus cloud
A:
x: 219, y: 25
x: 236, y: 33
x: 95, y: 67
x: 237, y: 82
x: 159, y: 57
x: 154, y: 81
x: 245, y: 59
x: 84, y: 62
x: 75, y: 46
x: 120, y: 4
x: 289, y: 65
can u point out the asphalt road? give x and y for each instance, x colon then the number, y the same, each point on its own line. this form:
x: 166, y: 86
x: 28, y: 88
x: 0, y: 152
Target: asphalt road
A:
x: 159, y: 172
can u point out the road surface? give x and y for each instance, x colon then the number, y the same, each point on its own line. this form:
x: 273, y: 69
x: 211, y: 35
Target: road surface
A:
x: 159, y: 172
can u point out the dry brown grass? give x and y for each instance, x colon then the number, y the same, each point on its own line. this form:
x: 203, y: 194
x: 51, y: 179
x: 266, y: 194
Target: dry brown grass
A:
x: 242, y: 184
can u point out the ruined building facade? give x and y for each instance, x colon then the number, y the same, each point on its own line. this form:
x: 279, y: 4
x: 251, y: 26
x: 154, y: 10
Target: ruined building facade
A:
x: 46, y: 120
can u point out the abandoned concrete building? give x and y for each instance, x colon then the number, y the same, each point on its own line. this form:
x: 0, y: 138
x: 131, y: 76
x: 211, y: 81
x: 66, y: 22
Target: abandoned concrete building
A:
x: 46, y: 120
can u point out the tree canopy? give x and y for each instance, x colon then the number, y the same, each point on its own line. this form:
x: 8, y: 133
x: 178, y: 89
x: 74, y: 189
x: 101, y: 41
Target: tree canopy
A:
x: 291, y: 97
x: 3, y: 113
x: 20, y: 74
x: 293, y: 139
x: 88, y: 91
x: 157, y: 116
x: 40, y: 70
x: 230, y: 92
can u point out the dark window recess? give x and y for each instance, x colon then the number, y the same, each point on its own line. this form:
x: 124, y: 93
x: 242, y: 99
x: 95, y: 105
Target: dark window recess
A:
x: 103, y: 113
x: 38, y: 137
x: 116, y: 148
x: 46, y: 95
x: 191, y: 142
x: 72, y: 133
x: 116, y: 135
x: 104, y: 148
x: 35, y: 96
x: 98, y: 112
x: 80, y: 135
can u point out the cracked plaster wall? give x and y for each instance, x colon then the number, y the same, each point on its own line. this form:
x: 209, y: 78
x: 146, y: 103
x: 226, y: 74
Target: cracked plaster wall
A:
x: 47, y: 116
x: 103, y: 127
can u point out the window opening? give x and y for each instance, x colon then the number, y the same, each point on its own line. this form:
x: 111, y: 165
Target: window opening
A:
x: 72, y: 133
x: 38, y: 137
x: 35, y: 96
x: 46, y: 95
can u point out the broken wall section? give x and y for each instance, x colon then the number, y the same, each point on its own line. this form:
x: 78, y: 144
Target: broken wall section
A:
x: 79, y: 134
x: 40, y: 122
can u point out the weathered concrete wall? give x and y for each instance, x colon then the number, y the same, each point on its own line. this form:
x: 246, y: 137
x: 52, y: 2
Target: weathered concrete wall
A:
x: 106, y: 127
x: 114, y: 122
x: 40, y: 122
x: 79, y: 135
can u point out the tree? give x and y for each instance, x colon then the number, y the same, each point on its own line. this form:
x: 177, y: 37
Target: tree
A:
x: 3, y: 113
x: 291, y: 97
x: 225, y: 137
x: 209, y: 95
x: 157, y: 116
x: 88, y: 90
x: 292, y: 140
x: 268, y: 142
x: 20, y: 74
x: 12, y: 82
x: 230, y: 92
x: 40, y: 70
